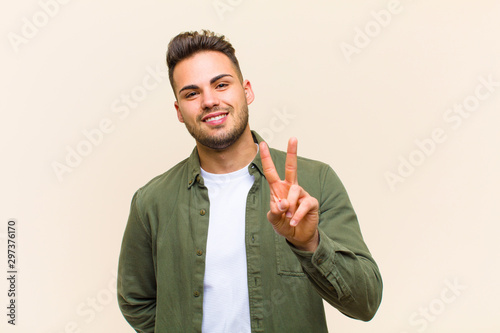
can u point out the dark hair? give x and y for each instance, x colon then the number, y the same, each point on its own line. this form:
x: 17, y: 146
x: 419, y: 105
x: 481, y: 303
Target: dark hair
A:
x: 187, y: 44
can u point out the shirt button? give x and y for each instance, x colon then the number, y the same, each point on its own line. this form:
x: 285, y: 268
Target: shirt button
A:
x: 319, y: 261
x: 202, y: 212
x: 199, y: 252
x: 196, y: 294
x: 198, y: 179
x: 190, y: 181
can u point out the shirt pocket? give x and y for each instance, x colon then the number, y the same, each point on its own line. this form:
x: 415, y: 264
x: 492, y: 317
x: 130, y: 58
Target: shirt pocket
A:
x: 286, y: 261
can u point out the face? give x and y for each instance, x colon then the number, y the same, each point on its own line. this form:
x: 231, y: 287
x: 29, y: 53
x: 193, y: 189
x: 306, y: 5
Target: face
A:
x: 211, y: 100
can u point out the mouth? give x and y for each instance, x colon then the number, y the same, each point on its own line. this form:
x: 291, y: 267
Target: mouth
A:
x: 214, y: 117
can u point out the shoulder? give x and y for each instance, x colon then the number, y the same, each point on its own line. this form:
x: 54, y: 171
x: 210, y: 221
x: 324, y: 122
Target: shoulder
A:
x: 316, y: 177
x: 305, y: 165
x: 164, y: 184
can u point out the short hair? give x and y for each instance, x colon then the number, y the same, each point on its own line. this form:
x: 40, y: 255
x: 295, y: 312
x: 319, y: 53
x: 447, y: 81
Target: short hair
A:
x: 187, y: 44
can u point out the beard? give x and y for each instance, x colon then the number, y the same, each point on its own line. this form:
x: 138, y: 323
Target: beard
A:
x: 224, y: 138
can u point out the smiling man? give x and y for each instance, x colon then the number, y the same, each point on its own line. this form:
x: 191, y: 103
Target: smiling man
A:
x: 238, y: 237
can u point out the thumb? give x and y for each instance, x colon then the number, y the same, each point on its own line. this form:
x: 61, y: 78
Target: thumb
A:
x: 278, y: 208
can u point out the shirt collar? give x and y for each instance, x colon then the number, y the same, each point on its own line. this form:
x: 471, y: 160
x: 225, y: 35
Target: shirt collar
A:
x: 193, y: 162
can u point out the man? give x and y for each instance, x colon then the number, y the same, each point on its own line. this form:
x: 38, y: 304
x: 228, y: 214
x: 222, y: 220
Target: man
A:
x: 238, y: 237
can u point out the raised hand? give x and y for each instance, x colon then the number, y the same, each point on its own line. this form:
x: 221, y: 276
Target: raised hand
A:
x: 294, y: 214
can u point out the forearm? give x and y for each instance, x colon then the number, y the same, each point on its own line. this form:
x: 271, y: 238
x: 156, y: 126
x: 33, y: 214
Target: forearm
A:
x: 349, y: 282
x: 341, y: 269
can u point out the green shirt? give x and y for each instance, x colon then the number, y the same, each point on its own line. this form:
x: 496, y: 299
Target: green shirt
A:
x: 162, y: 259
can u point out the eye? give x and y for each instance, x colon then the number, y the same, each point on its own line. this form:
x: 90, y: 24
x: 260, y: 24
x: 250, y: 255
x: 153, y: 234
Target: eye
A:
x: 221, y: 85
x: 190, y: 94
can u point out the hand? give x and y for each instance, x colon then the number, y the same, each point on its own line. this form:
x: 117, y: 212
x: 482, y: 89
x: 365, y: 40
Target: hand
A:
x: 294, y: 213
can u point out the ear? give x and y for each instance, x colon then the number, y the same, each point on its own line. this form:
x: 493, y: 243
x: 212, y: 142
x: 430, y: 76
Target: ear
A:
x: 179, y: 115
x: 248, y: 92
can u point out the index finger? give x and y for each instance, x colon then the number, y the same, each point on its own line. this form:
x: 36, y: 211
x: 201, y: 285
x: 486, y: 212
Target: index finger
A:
x: 268, y: 165
x: 291, y: 161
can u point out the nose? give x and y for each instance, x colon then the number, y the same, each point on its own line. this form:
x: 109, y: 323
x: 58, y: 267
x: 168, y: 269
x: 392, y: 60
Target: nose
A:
x: 209, y: 99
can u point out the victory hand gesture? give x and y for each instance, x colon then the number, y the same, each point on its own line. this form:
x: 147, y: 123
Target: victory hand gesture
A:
x: 294, y: 213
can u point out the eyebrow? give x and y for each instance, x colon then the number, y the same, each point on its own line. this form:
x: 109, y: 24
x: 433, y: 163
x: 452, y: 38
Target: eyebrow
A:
x: 212, y: 80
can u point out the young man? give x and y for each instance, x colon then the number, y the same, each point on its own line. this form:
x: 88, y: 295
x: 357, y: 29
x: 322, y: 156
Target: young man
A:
x: 238, y: 237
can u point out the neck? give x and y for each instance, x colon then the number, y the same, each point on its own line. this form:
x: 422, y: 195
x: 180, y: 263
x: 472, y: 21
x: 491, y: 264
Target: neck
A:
x: 230, y: 159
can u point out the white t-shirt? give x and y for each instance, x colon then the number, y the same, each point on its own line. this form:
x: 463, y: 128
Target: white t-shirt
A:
x: 225, y: 288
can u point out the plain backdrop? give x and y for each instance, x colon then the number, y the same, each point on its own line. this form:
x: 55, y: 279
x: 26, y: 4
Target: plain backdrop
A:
x: 401, y: 98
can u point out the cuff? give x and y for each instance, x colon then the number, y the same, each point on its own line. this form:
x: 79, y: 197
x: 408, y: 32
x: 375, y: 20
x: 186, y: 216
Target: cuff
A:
x: 322, y: 259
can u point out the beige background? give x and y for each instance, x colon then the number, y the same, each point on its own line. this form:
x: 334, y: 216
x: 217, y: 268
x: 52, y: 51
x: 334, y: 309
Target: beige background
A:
x: 436, y: 227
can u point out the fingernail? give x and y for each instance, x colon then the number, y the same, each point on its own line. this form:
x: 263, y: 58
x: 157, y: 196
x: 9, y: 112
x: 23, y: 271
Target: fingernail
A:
x: 293, y: 223
x: 280, y: 205
x: 288, y: 214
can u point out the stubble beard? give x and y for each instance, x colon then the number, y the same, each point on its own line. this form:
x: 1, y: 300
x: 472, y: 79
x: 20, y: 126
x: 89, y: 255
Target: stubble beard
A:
x: 224, y: 139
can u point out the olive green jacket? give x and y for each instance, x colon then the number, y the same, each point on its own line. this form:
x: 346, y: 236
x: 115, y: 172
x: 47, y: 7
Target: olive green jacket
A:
x: 162, y: 259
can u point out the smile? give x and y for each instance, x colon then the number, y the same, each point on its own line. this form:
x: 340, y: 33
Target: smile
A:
x: 214, y: 118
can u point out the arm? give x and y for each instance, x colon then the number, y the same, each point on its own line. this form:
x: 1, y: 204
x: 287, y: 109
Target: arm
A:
x: 136, y: 273
x: 325, y: 236
x: 342, y: 269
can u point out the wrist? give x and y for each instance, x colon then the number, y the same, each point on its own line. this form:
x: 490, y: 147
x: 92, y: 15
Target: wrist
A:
x: 309, y: 246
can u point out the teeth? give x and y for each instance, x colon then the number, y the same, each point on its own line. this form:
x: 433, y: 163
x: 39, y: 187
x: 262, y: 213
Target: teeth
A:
x: 216, y: 117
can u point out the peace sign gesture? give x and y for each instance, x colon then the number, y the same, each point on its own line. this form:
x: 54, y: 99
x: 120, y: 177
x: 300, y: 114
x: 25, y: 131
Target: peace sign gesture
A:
x: 294, y: 214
